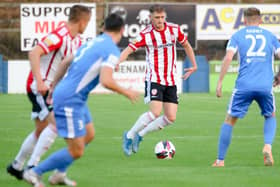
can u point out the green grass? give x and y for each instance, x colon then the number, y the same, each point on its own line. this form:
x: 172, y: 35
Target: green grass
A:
x: 228, y: 82
x: 195, y: 135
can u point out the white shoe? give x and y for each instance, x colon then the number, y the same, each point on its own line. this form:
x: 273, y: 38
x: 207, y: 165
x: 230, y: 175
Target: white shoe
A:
x: 61, y: 179
x: 32, y: 178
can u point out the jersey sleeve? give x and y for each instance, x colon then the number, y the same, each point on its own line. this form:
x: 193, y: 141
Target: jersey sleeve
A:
x: 138, y: 42
x: 50, y: 42
x: 111, y: 61
x: 232, y: 44
x: 181, y: 36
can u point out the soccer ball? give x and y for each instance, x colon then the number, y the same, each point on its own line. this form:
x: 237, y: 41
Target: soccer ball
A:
x: 165, y: 150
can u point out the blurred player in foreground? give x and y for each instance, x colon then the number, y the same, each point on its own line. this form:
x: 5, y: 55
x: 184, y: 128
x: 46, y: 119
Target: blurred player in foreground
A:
x: 159, y: 38
x: 93, y: 63
x: 256, y: 48
x: 44, y: 59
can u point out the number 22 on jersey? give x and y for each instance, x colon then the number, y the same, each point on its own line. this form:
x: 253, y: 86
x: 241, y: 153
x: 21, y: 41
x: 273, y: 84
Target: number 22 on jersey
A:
x: 254, y: 50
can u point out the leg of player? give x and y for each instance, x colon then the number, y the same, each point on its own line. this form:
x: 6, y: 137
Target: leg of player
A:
x: 46, y: 139
x: 170, y: 110
x: 266, y: 102
x: 224, y: 140
x: 269, y: 134
x: 16, y: 168
x: 62, y: 158
x: 59, y: 176
x: 132, y: 136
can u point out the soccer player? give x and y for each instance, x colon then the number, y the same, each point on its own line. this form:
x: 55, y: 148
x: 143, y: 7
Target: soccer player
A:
x: 44, y: 59
x: 159, y: 38
x: 256, y: 47
x: 94, y: 62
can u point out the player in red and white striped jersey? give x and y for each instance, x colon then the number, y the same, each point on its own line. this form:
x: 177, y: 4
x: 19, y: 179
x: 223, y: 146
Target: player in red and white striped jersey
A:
x: 44, y: 60
x: 159, y: 38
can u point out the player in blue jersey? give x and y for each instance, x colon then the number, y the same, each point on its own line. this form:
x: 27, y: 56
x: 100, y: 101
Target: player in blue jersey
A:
x: 94, y: 62
x: 256, y: 48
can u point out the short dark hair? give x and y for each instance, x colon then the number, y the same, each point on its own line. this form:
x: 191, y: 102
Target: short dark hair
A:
x: 156, y: 8
x: 251, y: 11
x: 77, y: 12
x: 113, y: 22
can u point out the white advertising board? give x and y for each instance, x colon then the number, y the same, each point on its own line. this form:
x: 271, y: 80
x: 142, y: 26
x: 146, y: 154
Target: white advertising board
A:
x: 220, y: 21
x: 37, y: 20
x: 131, y: 74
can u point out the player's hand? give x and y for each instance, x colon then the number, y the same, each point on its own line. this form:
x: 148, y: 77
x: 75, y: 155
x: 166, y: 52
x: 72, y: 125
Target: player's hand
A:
x: 132, y: 95
x: 188, y: 72
x: 42, y: 88
x: 219, y: 89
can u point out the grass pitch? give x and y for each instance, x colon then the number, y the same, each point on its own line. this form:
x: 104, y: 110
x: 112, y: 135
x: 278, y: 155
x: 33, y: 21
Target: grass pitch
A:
x: 194, y: 134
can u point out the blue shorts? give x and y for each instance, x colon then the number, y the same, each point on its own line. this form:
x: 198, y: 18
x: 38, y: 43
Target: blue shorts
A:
x: 71, y: 120
x: 241, y: 100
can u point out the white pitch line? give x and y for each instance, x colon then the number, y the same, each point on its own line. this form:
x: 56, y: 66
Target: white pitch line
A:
x: 193, y: 137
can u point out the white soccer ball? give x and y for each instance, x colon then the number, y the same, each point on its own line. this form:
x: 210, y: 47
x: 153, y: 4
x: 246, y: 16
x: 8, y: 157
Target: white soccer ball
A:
x: 165, y: 150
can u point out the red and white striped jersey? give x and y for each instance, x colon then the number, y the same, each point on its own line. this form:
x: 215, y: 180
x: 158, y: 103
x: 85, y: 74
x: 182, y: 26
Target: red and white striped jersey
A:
x: 57, y: 45
x: 160, y: 52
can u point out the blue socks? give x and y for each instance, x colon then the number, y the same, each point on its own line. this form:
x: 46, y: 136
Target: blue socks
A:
x: 269, y: 129
x: 224, y: 141
x: 60, y: 160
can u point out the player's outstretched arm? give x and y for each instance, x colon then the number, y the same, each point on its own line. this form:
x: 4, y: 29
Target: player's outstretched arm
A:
x: 124, y: 55
x: 106, y: 79
x: 190, y: 54
x: 34, y: 57
x: 225, y: 64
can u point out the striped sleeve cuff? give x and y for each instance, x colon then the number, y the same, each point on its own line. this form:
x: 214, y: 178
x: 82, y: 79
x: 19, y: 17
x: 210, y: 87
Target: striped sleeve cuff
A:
x: 133, y: 47
x: 184, y: 40
x: 108, y: 65
x: 44, y: 47
x: 234, y: 49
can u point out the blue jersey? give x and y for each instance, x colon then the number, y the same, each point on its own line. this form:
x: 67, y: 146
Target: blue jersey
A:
x: 83, y: 74
x: 256, y: 47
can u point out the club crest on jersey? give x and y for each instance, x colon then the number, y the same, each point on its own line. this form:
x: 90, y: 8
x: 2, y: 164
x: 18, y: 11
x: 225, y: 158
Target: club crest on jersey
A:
x: 154, y: 91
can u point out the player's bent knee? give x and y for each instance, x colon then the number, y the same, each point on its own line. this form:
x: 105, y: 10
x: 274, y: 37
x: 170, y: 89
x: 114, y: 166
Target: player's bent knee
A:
x: 76, y: 153
x: 89, y: 137
x: 230, y: 120
x: 40, y: 126
x: 90, y: 133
